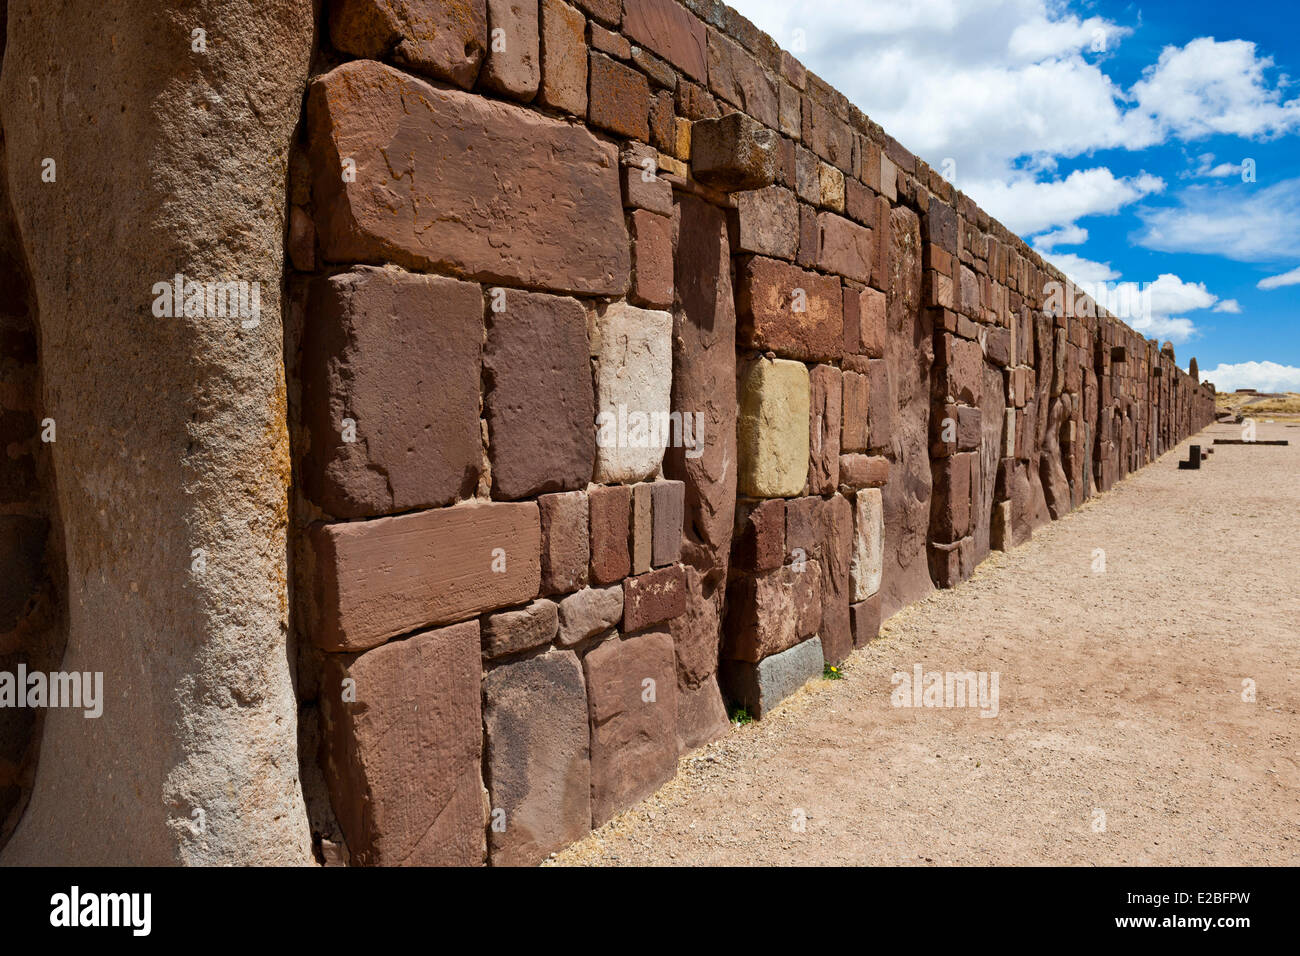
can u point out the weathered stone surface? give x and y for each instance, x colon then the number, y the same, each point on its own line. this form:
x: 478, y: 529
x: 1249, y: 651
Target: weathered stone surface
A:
x: 607, y: 12
x: 863, y: 471
x: 538, y: 371
x: 962, y: 369
x: 766, y: 222
x: 704, y: 376
x: 736, y: 77
x: 951, y: 563
x: 733, y: 153
x: 589, y: 612
x: 836, y: 562
x: 759, y: 541
x: 701, y: 715
x: 772, y: 429
x: 653, y: 598
x: 668, y: 509
x: 634, y: 366
x: 642, y: 540
x: 880, y: 406
x: 513, y: 66
x: 643, y: 189
x: 855, y: 409
x: 951, y: 497
x: 566, y: 542
x: 805, y: 529
x: 827, y: 135
x: 865, y: 617
x: 618, y: 98
x: 760, y: 687
x: 378, y: 579
x: 611, y: 517
x: 697, y: 631
x: 375, y: 355
x: 652, y: 260
x: 510, y: 632
x: 448, y: 181
x: 447, y: 40
x: 786, y: 310
x: 868, y: 543
x: 633, y: 724
x: 844, y: 247
x: 564, y: 58
x: 403, y: 760
x: 830, y: 189
x: 824, y: 430
x: 538, y: 756
x: 773, y: 610
x: 666, y: 27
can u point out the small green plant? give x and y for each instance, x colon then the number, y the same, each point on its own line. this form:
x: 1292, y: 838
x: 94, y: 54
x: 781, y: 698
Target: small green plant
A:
x: 740, y: 716
x: 831, y: 672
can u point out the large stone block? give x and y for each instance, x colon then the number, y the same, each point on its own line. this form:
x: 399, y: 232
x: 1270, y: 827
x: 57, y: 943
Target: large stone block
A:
x: 668, y: 510
x: 378, y: 579
x: 566, y: 542
x: 632, y: 702
x: 667, y: 28
x: 652, y: 260
x: 784, y: 309
x: 390, y: 374
x: 759, y: 540
x: 868, y: 543
x: 772, y: 429
x: 589, y: 612
x: 962, y: 365
x: 881, y: 408
x: 611, y: 525
x: 836, y: 561
x: 539, y: 403
x: 766, y: 222
x: 759, y: 687
x: 447, y: 39
x: 564, y: 58
x: 733, y: 152
x: 735, y: 76
x: 824, y: 430
x: 538, y: 757
x: 950, y: 510
x: 618, y: 98
x: 653, y: 598
x: 855, y: 408
x: 513, y: 66
x: 773, y: 610
x: 435, y: 179
x: 512, y: 632
x: 844, y: 247
x: 634, y: 368
x: 401, y: 749
x: 697, y: 631
x: 865, y: 617
x: 701, y: 715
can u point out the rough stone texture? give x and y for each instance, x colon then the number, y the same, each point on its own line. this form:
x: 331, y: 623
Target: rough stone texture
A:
x: 824, y: 430
x: 760, y: 687
x: 844, y: 247
x: 652, y: 260
x: 172, y: 432
x: 733, y: 153
x: 866, y: 621
x: 759, y: 542
x: 642, y: 530
x: 537, y: 756
x: 668, y: 507
x: 855, y: 409
x: 766, y: 222
x: 398, y: 355
x: 794, y: 313
x: 611, y: 524
x: 671, y: 31
x: 514, y: 68
x: 511, y: 632
x: 446, y: 39
x: 653, y: 598
x: 564, y: 58
x: 701, y: 715
x: 737, y: 77
x: 590, y: 612
x: 868, y: 543
x: 863, y: 471
x: 704, y: 377
x: 618, y: 98
x: 403, y: 759
x: 633, y: 724
x: 448, y: 181
x: 836, y: 562
x: 378, y: 579
x: 773, y: 610
x: 538, y: 371
x: 772, y: 428
x: 566, y: 542
x: 950, y: 502
x: 634, y: 367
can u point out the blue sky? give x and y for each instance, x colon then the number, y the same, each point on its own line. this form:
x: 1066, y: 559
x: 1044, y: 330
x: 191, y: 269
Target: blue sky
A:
x: 1155, y: 143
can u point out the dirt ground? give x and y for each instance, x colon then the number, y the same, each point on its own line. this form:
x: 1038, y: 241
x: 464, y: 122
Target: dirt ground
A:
x: 1120, y: 693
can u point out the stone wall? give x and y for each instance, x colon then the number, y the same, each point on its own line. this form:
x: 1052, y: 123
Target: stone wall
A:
x: 519, y: 232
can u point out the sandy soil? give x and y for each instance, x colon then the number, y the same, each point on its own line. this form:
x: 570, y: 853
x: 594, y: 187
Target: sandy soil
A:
x: 1118, y: 692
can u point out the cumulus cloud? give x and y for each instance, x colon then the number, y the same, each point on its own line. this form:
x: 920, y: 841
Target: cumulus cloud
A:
x: 1254, y: 225
x: 1065, y: 236
x: 1229, y: 305
x: 1277, y: 282
x: 1025, y: 205
x: 1263, y: 376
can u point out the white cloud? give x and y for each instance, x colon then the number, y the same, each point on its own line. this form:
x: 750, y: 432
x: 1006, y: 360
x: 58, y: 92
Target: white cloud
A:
x: 1245, y: 223
x: 1277, y: 282
x: 1026, y: 206
x: 1065, y: 236
x: 1164, y: 328
x: 1170, y: 294
x: 1152, y: 310
x: 1228, y: 305
x: 1264, y: 376
x: 1207, y: 168
x: 1083, y: 272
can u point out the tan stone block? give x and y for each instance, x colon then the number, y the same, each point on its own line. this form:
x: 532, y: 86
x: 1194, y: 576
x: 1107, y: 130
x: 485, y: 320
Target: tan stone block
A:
x: 773, y: 428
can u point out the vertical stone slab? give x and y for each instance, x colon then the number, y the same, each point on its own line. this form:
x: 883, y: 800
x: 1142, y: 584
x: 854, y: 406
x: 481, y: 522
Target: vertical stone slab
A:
x: 824, y: 430
x: 772, y: 428
x: 566, y: 542
x: 633, y: 384
x: 513, y: 66
x: 868, y: 543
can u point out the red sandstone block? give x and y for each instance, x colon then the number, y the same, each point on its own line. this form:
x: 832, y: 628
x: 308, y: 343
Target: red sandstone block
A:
x: 859, y: 202
x: 950, y: 564
x: 880, y: 419
x: 871, y: 310
x: 652, y: 260
x: 827, y: 135
x: 844, y: 247
x: 444, y: 40
x: 607, y: 41
x: 766, y: 222
x: 618, y: 98
x: 863, y: 471
x: 378, y: 579
x: 668, y: 29
x: 564, y: 58
x: 668, y: 500
x: 866, y: 620
x: 611, y: 515
x: 961, y: 365
x: 694, y: 102
x: 759, y: 539
x: 368, y: 337
x: 809, y: 237
x: 643, y: 189
x: 642, y: 542
x: 451, y: 181
x: 653, y: 598
x: 566, y: 543
x: 805, y: 528
x: 950, y: 499
x: 513, y: 65
x: 632, y: 699
x: 412, y: 797
x: 734, y: 152
x: 824, y: 430
x: 785, y: 310
x: 772, y: 611
x: 608, y: 12
x: 663, y: 124
x: 737, y: 77
x: 855, y: 409
x: 852, y: 320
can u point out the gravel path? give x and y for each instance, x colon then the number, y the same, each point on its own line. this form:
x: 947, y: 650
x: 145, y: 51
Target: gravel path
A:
x: 1119, y: 693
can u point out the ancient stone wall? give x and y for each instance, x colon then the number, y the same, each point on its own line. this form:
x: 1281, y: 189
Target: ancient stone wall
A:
x: 523, y: 234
